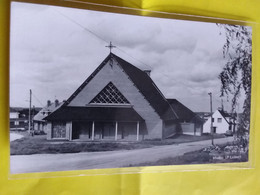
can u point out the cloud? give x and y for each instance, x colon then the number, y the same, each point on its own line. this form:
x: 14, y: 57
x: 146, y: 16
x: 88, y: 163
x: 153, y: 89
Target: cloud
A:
x: 60, y: 47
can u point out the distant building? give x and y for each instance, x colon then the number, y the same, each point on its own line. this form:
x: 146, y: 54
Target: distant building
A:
x: 222, y: 122
x: 13, y: 114
x: 190, y: 122
x: 18, y: 121
x: 204, y: 115
x: 39, y: 124
x: 19, y: 117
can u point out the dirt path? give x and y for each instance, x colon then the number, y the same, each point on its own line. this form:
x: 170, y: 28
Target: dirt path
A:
x: 99, y: 160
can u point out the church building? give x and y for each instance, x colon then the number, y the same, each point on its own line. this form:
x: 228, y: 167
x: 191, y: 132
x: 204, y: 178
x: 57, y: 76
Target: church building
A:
x: 118, y: 101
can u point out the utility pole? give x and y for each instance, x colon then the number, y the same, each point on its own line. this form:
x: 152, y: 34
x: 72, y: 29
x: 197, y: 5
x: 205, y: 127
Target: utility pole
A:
x: 30, y: 104
x: 211, y: 121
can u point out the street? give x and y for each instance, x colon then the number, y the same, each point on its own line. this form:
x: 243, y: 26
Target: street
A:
x: 15, y: 136
x: 101, y: 160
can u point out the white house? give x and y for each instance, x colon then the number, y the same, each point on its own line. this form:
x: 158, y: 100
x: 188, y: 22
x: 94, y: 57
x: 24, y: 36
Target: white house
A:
x: 17, y: 120
x: 221, y: 123
x: 13, y: 114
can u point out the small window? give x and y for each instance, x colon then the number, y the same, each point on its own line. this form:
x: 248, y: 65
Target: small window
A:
x: 16, y: 122
x: 219, y: 120
x: 212, y: 119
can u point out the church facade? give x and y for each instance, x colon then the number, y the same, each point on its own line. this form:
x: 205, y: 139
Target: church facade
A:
x: 118, y: 101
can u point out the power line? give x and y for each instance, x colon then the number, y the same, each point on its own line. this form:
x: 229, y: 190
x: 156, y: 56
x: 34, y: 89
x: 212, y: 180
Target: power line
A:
x: 37, y: 99
x: 97, y: 36
x: 133, y: 57
x: 80, y: 25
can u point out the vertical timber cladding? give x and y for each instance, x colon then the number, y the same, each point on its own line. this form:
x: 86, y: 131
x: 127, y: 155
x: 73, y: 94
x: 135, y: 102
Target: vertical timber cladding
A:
x: 114, y: 73
x: 105, y: 131
x: 127, y: 131
x: 82, y: 130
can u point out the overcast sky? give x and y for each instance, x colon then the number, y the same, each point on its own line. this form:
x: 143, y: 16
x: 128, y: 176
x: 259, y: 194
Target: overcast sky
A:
x: 52, y: 55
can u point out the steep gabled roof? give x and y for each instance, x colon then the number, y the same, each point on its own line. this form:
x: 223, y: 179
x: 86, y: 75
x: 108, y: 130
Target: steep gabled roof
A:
x: 148, y: 88
x: 224, y: 114
x: 183, y: 113
x: 88, y: 80
x: 49, y: 109
x: 142, y: 81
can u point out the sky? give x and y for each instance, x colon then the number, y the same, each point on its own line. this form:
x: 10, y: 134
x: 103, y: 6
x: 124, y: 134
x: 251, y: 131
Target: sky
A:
x: 54, y: 49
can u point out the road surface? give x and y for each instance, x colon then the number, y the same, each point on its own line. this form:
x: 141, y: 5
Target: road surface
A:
x: 100, y: 160
x: 15, y: 136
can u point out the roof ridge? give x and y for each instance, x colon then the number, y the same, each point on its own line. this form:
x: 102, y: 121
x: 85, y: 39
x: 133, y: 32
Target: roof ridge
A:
x: 132, y: 76
x: 85, y: 82
x: 78, y: 90
x: 222, y: 114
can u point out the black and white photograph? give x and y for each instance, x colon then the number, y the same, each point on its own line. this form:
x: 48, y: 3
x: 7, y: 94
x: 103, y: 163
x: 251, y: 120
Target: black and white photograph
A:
x: 99, y: 90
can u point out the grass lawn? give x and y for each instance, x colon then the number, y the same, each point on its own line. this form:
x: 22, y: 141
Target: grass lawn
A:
x: 39, y: 145
x: 196, y: 157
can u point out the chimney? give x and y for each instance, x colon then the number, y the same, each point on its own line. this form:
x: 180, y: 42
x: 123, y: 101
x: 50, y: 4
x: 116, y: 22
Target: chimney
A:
x: 48, y: 103
x: 56, y: 103
x: 148, y: 72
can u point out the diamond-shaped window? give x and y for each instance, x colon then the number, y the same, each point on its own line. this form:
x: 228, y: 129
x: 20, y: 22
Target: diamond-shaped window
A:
x: 109, y: 95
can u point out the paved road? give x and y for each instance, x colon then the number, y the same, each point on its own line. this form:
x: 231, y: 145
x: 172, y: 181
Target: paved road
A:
x: 99, y: 160
x: 15, y: 136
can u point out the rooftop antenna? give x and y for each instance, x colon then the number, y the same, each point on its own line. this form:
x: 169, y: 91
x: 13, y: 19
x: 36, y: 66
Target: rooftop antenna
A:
x: 110, y: 46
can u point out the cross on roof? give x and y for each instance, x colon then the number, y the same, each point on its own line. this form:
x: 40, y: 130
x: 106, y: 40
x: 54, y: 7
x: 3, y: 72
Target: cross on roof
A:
x: 110, y: 46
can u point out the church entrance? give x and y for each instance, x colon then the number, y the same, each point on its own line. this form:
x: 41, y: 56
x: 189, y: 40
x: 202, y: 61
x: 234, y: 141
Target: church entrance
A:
x: 105, y: 130
x: 128, y: 131
x: 81, y: 130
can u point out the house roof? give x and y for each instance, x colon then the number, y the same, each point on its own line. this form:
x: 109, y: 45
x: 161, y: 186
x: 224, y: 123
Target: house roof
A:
x: 224, y: 115
x: 94, y: 114
x: 183, y: 113
x: 11, y: 109
x: 144, y: 84
x: 52, y: 107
